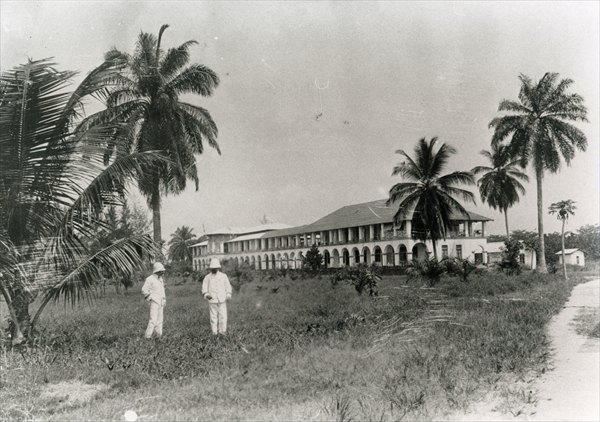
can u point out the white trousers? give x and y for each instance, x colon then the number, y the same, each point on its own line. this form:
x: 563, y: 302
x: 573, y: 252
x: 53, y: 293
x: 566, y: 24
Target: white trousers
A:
x: 218, y: 317
x: 155, y: 324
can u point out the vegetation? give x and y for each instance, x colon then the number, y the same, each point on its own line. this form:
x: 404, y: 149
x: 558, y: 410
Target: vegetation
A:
x: 313, y: 259
x: 563, y: 209
x: 539, y: 132
x: 361, y: 277
x: 417, y: 354
x: 54, y: 189
x: 500, y: 184
x: 430, y: 197
x: 510, y: 257
x: 147, y: 101
x: 179, y: 245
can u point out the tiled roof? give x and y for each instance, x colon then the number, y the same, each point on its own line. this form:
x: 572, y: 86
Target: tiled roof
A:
x: 205, y: 243
x: 374, y: 212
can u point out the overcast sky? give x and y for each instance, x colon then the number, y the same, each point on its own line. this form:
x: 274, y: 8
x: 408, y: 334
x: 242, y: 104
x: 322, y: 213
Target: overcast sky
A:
x: 380, y: 76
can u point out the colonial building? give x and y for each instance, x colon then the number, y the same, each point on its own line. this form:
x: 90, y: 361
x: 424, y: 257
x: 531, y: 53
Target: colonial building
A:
x: 361, y: 233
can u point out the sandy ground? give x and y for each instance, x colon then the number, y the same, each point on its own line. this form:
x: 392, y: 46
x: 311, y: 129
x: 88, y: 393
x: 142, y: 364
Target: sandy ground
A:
x: 571, y: 391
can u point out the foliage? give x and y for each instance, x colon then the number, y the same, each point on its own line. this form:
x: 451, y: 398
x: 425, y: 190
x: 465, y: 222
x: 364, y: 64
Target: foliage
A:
x: 461, y: 268
x: 54, y: 187
x: 313, y: 259
x: 429, y: 269
x: 510, y: 263
x: 563, y: 209
x: 587, y: 238
x: 427, y: 196
x: 361, y: 277
x: 147, y: 100
x: 179, y: 245
x: 539, y: 131
x: 500, y: 184
x: 310, y: 340
x: 238, y: 273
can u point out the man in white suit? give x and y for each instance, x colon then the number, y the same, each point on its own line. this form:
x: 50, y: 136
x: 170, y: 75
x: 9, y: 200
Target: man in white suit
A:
x: 217, y: 290
x: 154, y: 292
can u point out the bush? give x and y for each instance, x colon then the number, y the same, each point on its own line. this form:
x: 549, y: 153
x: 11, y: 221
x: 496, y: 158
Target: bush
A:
x: 313, y: 259
x: 239, y: 273
x: 429, y: 269
x: 510, y: 257
x: 361, y: 277
x: 461, y: 268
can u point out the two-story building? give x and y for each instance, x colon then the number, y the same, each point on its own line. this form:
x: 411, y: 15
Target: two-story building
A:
x: 360, y: 233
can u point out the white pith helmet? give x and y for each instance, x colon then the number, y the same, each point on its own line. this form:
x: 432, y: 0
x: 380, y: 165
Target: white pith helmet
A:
x: 158, y: 268
x: 214, y: 263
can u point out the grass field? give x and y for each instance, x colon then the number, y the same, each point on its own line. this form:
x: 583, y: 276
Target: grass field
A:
x: 296, y: 349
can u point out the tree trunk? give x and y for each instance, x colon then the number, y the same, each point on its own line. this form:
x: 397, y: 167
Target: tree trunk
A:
x: 562, y: 239
x: 21, y: 300
x: 17, y: 335
x: 539, y: 173
x: 506, y: 223
x: 156, y: 214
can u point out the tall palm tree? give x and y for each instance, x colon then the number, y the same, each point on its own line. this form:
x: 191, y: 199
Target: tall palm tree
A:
x: 500, y: 184
x: 563, y: 209
x: 148, y: 100
x: 179, y: 245
x: 430, y: 196
x: 54, y: 187
x: 539, y: 132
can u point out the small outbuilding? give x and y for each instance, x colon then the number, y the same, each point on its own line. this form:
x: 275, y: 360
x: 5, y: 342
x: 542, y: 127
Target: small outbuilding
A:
x: 572, y: 257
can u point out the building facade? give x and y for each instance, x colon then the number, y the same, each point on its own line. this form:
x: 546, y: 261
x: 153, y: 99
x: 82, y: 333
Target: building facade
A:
x: 572, y: 257
x: 354, y: 234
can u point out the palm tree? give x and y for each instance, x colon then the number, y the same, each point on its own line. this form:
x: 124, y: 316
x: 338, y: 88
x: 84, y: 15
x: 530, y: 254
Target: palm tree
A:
x: 500, y: 184
x: 430, y: 196
x: 148, y: 100
x: 539, y: 132
x: 563, y: 209
x: 179, y: 245
x: 54, y: 188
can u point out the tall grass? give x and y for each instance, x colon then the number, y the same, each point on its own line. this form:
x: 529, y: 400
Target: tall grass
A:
x: 295, y: 350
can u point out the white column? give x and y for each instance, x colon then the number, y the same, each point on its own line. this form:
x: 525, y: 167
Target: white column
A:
x: 371, y: 232
x: 408, y: 228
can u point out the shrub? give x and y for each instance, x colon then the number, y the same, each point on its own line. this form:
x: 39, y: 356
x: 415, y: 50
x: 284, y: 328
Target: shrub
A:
x: 361, y: 277
x: 461, y: 268
x: 510, y: 257
x: 313, y: 259
x: 239, y: 273
x: 429, y: 269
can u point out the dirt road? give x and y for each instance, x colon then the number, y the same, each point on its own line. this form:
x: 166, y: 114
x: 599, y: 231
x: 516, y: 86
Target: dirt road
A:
x: 571, y: 391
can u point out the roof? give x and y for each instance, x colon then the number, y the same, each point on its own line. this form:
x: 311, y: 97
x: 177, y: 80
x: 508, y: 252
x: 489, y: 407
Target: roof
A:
x: 248, y: 230
x: 204, y: 243
x: 252, y: 236
x: 568, y: 251
x: 374, y: 212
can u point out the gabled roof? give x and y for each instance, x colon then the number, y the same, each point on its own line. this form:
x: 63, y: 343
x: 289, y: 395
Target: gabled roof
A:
x: 373, y: 212
x: 252, y: 236
x: 568, y: 251
x: 204, y: 243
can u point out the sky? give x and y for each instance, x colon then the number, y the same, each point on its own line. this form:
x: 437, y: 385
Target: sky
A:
x: 316, y: 97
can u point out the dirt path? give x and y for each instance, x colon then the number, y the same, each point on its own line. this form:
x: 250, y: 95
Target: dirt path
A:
x: 570, y: 392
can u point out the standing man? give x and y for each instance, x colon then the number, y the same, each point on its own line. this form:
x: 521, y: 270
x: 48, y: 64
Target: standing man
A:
x: 154, y: 292
x: 217, y: 290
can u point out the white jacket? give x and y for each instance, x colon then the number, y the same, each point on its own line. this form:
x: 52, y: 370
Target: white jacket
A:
x: 217, y: 286
x: 154, y: 289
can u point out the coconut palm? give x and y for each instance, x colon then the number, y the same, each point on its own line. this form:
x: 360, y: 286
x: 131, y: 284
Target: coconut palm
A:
x: 430, y: 196
x: 54, y: 187
x: 500, y: 184
x: 563, y: 209
x: 179, y: 245
x: 539, y: 132
x: 148, y: 100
